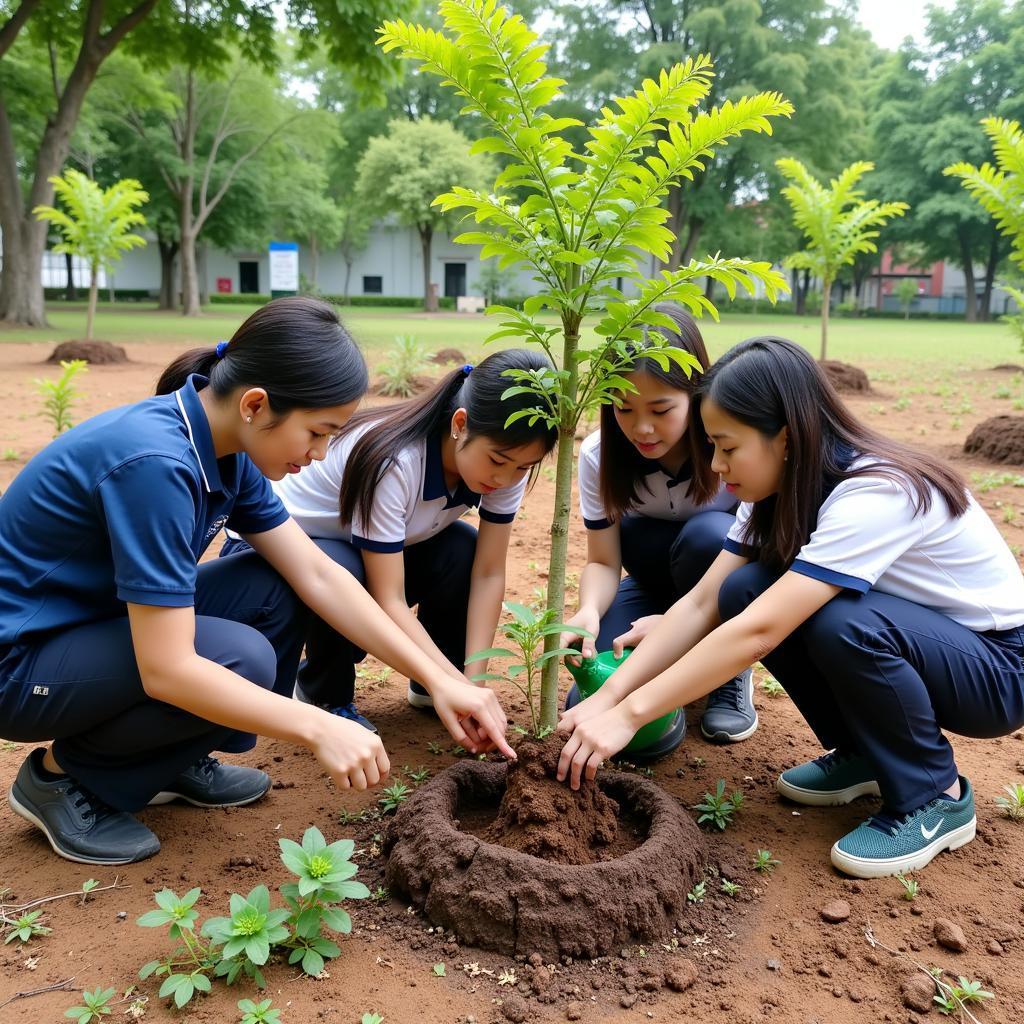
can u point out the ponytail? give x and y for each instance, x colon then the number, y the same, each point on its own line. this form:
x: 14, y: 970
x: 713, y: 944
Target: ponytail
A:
x: 478, y: 390
x: 295, y: 348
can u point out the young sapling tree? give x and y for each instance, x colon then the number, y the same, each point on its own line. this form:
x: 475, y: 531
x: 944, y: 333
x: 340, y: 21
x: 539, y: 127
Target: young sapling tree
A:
x: 59, y: 395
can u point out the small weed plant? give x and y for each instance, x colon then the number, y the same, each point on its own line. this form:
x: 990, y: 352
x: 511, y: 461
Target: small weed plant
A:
x: 258, y: 1013
x: 372, y: 1018
x: 1012, y: 805
x: 404, y: 363
x: 242, y: 943
x: 392, y: 797
x: 527, y: 631
x: 439, y: 971
x: 26, y: 927
x: 772, y: 687
x: 731, y: 889
x: 765, y: 862
x: 717, y: 809
x: 955, y: 998
x: 910, y: 888
x: 94, y: 1006
x: 697, y: 893
x: 59, y: 395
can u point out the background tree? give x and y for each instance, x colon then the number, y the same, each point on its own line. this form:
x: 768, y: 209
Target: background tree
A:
x: 403, y: 171
x: 96, y: 224
x: 836, y: 221
x: 906, y: 292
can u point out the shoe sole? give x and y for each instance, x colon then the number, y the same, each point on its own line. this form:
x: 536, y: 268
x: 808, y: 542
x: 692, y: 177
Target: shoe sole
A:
x: 165, y: 797
x: 79, y: 858
x: 864, y: 867
x: 419, y: 700
x: 827, y: 797
x: 729, y: 737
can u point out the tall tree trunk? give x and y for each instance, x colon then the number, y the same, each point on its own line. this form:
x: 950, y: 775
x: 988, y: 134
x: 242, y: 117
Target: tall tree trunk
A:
x: 314, y: 262
x: 967, y: 261
x: 348, y: 275
x: 189, y: 275
x: 695, y: 228
x: 995, y: 254
x: 70, y: 292
x: 826, y: 295
x: 94, y: 287
x: 429, y: 298
x: 187, y: 227
x: 168, y: 251
x: 201, y: 274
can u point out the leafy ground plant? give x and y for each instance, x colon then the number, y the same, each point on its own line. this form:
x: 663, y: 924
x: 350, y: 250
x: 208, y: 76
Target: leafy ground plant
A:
x: 955, y: 998
x: 242, y: 943
x: 403, y: 365
x: 95, y: 1006
x: 772, y: 687
x: 25, y: 928
x: 392, y: 797
x: 59, y: 395
x: 765, y: 862
x: 258, y: 1013
x: 717, y: 808
x: 1012, y: 805
x: 911, y: 889
x: 372, y: 1018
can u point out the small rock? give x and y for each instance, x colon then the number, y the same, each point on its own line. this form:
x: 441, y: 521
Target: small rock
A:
x: 626, y: 1002
x: 835, y: 912
x: 774, y: 965
x: 122, y: 914
x: 536, y: 960
x: 873, y: 958
x: 837, y: 992
x: 918, y: 993
x: 596, y: 983
x: 1004, y: 932
x: 514, y: 1008
x: 855, y: 996
x: 949, y: 935
x: 994, y: 948
x: 680, y: 976
x: 574, y: 1011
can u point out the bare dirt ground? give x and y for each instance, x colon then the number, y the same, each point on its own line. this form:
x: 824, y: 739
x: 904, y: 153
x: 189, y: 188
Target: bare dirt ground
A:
x: 765, y: 954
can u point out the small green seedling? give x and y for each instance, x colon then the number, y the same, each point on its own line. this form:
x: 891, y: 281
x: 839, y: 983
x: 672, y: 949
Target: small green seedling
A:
x: 435, y: 748
x: 418, y: 776
x: 765, y: 862
x: 372, y: 1018
x: 954, y: 998
x: 717, y: 808
x: 59, y: 395
x: 392, y: 797
x: 379, y: 895
x: 439, y: 971
x: 1012, y: 805
x: 730, y: 888
x: 95, y: 1007
x: 910, y: 887
x: 26, y: 928
x: 258, y: 1013
x: 772, y: 687
x: 697, y: 893
x: 87, y: 887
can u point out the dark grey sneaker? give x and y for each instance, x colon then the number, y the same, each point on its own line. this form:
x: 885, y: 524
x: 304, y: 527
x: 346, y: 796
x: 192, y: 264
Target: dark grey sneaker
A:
x: 729, y: 714
x: 77, y: 823
x: 208, y: 783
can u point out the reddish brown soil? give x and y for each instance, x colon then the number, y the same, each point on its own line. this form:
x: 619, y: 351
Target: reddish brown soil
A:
x: 94, y: 352
x: 844, y: 377
x: 447, y: 355
x: 765, y: 955
x: 999, y: 439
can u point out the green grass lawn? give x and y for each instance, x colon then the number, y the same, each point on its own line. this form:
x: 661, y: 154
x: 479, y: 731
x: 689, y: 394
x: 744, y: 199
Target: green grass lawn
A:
x: 876, y: 345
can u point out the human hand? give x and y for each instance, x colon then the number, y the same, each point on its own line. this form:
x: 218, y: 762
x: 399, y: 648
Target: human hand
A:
x: 639, y: 629
x: 591, y: 742
x: 353, y: 756
x: 472, y: 715
x: 597, y: 703
x: 585, y: 618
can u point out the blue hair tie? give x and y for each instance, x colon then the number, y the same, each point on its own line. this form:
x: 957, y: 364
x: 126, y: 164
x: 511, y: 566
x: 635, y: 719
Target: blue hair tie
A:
x: 467, y: 369
x: 222, y: 347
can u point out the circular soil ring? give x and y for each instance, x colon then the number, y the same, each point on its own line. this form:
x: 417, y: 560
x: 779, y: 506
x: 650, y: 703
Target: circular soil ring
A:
x: 844, y: 377
x: 513, y: 903
x: 95, y: 352
x: 1000, y: 438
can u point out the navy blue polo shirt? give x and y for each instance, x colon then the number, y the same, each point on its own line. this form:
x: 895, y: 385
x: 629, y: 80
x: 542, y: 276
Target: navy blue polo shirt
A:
x: 120, y: 509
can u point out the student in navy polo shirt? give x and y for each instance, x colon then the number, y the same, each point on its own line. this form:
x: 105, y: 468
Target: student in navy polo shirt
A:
x: 136, y: 660
x: 872, y: 586
x: 652, y: 505
x: 387, y: 501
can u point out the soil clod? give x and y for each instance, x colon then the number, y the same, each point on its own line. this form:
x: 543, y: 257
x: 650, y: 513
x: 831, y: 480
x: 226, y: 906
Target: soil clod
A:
x: 835, y: 912
x: 999, y: 438
x: 918, y: 993
x: 681, y: 976
x: 844, y: 377
x: 95, y: 352
x: 949, y: 935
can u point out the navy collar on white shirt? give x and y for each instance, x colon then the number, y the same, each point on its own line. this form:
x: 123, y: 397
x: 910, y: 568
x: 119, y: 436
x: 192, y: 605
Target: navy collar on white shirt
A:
x: 434, y: 486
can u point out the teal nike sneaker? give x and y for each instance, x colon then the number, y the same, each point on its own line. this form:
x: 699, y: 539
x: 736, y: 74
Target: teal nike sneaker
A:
x: 883, y: 846
x: 827, y: 781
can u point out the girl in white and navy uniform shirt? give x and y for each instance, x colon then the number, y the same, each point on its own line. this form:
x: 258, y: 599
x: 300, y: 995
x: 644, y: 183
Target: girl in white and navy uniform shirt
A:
x: 387, y: 503
x: 869, y: 582
x: 136, y: 660
x: 650, y: 506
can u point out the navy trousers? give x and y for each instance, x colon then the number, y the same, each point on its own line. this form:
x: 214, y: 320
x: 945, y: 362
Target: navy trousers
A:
x: 81, y: 687
x: 880, y: 676
x: 437, y: 579
x: 663, y: 559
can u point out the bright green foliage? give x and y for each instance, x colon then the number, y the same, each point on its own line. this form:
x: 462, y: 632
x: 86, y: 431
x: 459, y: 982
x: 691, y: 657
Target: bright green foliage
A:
x: 698, y: 892
x: 731, y: 889
x: 837, y: 222
x: 765, y: 862
x: 580, y: 219
x: 528, y: 630
x: 26, y: 927
x: 372, y: 1018
x: 1015, y: 321
x: 718, y: 808
x: 392, y: 797
x: 59, y: 394
x: 96, y: 223
x: 1013, y: 804
x: 954, y: 998
x: 95, y: 1006
x: 251, y: 929
x: 906, y: 292
x: 258, y: 1013
x: 439, y: 971
x: 402, y: 366
x: 910, y: 887
x: 772, y: 687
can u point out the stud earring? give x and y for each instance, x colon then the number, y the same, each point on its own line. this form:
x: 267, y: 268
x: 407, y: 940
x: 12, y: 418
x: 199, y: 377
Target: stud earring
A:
x: 455, y: 437
x: 248, y: 419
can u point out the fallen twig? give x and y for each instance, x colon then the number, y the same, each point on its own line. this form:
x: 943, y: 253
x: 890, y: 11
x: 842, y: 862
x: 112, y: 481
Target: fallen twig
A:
x: 20, y: 908
x: 56, y: 986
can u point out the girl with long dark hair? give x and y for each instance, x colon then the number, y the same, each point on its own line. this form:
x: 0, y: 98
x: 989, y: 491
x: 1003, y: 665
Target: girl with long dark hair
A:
x: 652, y: 504
x: 872, y: 586
x: 387, y: 504
x: 136, y: 660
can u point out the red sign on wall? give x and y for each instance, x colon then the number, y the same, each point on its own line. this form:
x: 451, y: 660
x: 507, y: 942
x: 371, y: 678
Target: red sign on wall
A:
x: 224, y: 285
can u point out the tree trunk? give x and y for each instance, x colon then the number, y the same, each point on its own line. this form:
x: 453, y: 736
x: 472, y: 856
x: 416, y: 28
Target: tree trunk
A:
x: 995, y: 254
x: 314, y: 262
x: 826, y: 295
x: 203, y: 277
x: 168, y: 251
x: 696, y: 229
x: 70, y: 292
x: 348, y: 275
x: 967, y: 261
x: 429, y: 298
x: 189, y: 276
x: 94, y: 287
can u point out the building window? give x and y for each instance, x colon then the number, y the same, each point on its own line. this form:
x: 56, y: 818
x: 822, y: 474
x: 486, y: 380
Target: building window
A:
x: 373, y: 285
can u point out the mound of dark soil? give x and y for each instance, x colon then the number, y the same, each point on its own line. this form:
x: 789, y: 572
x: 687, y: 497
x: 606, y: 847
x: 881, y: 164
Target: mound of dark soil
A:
x: 440, y: 859
x: 95, y: 352
x: 416, y: 385
x: 1000, y: 438
x: 844, y: 377
x: 448, y: 355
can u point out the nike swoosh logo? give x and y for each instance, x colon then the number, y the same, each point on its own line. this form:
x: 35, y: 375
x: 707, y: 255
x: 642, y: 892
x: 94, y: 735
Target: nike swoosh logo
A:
x: 929, y: 832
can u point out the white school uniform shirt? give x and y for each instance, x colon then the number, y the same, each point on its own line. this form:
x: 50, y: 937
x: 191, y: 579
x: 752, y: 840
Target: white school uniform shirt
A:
x: 660, y: 495
x: 410, y: 504
x: 869, y: 537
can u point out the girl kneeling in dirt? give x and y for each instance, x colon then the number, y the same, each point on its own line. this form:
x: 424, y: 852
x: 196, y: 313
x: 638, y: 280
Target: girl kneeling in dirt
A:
x: 871, y: 585
x: 402, y: 476
x: 652, y: 504
x: 136, y: 660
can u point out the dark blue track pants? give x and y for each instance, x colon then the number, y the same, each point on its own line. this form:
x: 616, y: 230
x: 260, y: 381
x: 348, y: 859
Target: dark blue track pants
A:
x: 880, y: 676
x: 437, y: 579
x: 81, y: 687
x: 664, y: 560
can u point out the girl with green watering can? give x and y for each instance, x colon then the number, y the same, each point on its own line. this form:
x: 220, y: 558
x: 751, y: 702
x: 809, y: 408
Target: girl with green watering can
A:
x: 651, y: 506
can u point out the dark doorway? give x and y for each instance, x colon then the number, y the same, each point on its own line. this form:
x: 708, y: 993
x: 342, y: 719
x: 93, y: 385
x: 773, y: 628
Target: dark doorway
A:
x: 248, y: 276
x: 454, y: 280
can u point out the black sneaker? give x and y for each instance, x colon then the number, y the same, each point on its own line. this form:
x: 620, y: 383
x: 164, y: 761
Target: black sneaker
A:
x: 77, y: 823
x: 349, y: 710
x: 729, y: 714
x: 208, y: 783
